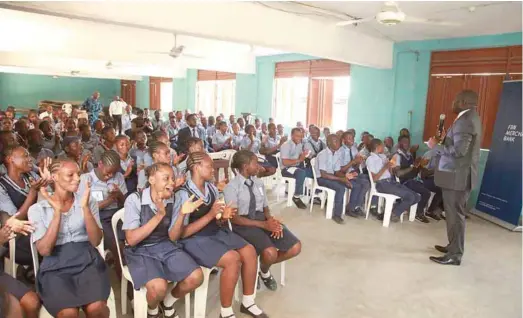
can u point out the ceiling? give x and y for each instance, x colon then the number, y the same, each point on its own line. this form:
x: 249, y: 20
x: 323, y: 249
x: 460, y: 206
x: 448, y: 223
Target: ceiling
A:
x: 474, y: 17
x: 57, y: 38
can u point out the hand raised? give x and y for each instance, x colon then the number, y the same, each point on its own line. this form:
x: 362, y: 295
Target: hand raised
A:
x: 160, y: 205
x: 179, y: 181
x: 177, y: 159
x: 20, y: 226
x: 44, y: 169
x: 190, y: 206
x: 84, y: 200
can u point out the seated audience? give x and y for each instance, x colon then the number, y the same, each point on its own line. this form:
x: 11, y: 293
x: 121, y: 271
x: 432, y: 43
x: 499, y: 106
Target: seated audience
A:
x: 252, y: 143
x: 314, y: 144
x: 106, y: 143
x: 380, y: 171
x: 160, y: 153
x: 89, y: 141
x: 293, y: 157
x: 51, y: 139
x: 72, y: 274
x: 241, y: 123
x: 237, y: 136
x: 222, y: 140
x: 254, y: 222
x: 388, y: 142
x: 35, y: 139
x: 271, y: 145
x: 122, y: 145
x: 192, y: 130
x: 207, y: 238
x: 407, y: 170
x: 73, y: 150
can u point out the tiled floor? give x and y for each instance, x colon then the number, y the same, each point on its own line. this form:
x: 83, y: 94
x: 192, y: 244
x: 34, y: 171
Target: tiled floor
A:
x: 361, y: 269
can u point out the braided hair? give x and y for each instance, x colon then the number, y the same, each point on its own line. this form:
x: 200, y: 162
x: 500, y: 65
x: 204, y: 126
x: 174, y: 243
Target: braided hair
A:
x: 110, y: 158
x: 57, y: 164
x: 151, y: 170
x: 155, y: 146
x: 241, y: 158
x: 195, y: 158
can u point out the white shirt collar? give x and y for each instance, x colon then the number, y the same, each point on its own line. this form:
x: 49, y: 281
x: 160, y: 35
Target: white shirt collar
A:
x: 462, y: 112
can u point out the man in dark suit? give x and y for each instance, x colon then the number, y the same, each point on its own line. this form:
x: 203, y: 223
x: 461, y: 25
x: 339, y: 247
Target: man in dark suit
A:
x: 192, y: 130
x: 457, y: 172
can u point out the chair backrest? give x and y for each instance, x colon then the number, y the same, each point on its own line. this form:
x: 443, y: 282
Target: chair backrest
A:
x: 117, y: 217
x: 34, y: 253
x: 278, y: 174
x: 313, y: 167
x: 372, y: 183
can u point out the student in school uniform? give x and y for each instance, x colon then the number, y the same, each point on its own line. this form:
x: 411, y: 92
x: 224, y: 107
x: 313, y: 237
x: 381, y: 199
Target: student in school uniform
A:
x: 413, y: 149
x: 380, y: 170
x: 237, y: 136
x: 293, y: 157
x: 281, y: 131
x: 388, y: 142
x: 51, y: 140
x: 73, y: 149
x: 72, y: 274
x: 271, y: 145
x: 35, y: 140
x: 160, y: 153
x: 193, y: 144
x: 208, y: 239
x: 314, y: 144
x: 108, y: 190
x: 26, y: 298
x: 241, y: 123
x: 161, y: 137
x: 122, y: 146
x: 360, y: 184
x: 153, y: 256
x: 89, y: 141
x: 222, y: 140
x: 252, y: 143
x: 257, y: 127
x: 328, y: 173
x: 407, y: 170
x: 427, y: 168
x: 139, y: 148
x: 18, y: 191
x: 105, y: 144
x: 254, y: 222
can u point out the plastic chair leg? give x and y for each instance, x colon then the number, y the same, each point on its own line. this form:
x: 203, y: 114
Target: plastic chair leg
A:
x: 123, y: 295
x: 140, y: 303
x: 412, y: 214
x: 367, y: 207
x: 111, y: 303
x: 330, y: 207
x: 282, y: 275
x: 188, y: 305
x: 290, y: 189
x: 200, y: 295
x: 388, y: 212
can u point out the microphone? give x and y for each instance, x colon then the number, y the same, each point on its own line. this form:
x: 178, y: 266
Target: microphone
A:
x: 441, y: 125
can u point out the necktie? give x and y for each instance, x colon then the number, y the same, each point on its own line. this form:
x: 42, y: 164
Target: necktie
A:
x: 252, y: 201
x: 193, y: 132
x: 350, y: 153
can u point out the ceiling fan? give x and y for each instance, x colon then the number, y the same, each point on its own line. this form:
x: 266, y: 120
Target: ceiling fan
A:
x: 391, y: 14
x: 176, y: 51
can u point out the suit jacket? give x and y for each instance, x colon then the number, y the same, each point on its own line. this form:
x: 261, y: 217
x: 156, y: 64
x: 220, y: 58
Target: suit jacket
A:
x: 185, y: 133
x: 458, y: 156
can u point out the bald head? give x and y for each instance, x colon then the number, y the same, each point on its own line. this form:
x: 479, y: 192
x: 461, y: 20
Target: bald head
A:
x: 466, y: 99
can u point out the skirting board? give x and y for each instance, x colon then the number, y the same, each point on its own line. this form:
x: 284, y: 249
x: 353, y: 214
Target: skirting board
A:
x: 497, y: 221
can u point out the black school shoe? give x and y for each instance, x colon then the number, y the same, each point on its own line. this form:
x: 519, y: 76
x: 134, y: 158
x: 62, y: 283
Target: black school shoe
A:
x: 433, y: 215
x: 422, y: 218
x: 299, y: 203
x: 269, y: 282
x: 245, y: 310
x: 165, y: 308
x: 338, y: 219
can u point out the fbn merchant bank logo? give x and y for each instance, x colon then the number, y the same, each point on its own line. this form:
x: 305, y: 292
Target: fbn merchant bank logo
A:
x: 512, y: 133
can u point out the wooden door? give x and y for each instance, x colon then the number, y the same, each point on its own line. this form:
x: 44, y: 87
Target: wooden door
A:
x: 128, y: 91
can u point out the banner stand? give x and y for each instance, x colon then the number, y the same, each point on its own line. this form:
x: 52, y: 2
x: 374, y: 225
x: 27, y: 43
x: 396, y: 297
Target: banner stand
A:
x: 495, y: 220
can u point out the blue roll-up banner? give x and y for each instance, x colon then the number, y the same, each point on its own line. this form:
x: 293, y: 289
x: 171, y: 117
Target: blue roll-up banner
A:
x: 500, y: 193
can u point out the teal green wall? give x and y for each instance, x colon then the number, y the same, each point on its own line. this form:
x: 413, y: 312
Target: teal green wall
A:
x: 411, y: 75
x: 25, y: 91
x: 184, y: 91
x: 142, y: 92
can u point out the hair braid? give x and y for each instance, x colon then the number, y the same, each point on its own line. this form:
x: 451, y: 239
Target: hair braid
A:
x: 110, y: 158
x: 195, y: 158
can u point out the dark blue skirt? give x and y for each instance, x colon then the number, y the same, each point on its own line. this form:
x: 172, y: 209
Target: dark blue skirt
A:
x: 164, y: 259
x: 209, y: 248
x: 74, y: 275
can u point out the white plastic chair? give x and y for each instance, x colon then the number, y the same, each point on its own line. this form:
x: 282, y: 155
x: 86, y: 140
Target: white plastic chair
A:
x: 140, y: 300
x: 389, y: 202
x: 325, y: 194
x: 238, y: 290
x: 111, y: 302
x: 224, y: 155
x: 280, y: 179
x: 10, y: 265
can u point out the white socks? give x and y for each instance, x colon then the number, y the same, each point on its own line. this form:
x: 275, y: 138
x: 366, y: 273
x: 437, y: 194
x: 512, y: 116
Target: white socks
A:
x: 169, y: 301
x: 247, y: 301
x: 153, y: 311
x: 265, y: 275
x: 226, y: 312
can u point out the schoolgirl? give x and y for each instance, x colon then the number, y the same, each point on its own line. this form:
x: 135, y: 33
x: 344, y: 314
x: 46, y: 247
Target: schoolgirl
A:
x: 122, y: 145
x: 252, y: 143
x: 160, y: 153
x: 254, y: 222
x: 153, y: 256
x: 72, y: 274
x: 210, y: 241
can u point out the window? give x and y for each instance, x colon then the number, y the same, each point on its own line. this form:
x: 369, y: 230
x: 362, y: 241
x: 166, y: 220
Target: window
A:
x: 166, y: 96
x: 290, y: 100
x: 214, y: 97
x: 313, y: 92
